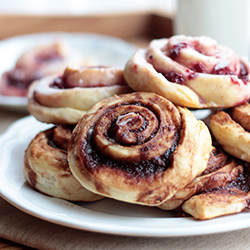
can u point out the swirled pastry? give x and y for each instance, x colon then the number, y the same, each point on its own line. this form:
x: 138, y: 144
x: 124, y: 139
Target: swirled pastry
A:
x: 66, y: 99
x: 193, y: 72
x: 221, y: 189
x: 231, y: 130
x: 138, y: 148
x: 46, y: 166
x: 36, y: 63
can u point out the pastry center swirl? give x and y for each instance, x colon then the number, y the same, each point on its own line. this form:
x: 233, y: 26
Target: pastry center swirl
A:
x: 136, y: 137
x: 127, y: 126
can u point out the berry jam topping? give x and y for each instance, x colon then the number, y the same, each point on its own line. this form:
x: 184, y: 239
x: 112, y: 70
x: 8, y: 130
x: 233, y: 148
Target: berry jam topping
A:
x: 218, y: 65
x: 175, y: 77
x: 222, y: 70
x: 243, y: 73
x: 174, y: 53
x: 192, y: 76
x: 58, y: 83
x: 16, y: 79
x: 234, y: 80
x: 198, y: 67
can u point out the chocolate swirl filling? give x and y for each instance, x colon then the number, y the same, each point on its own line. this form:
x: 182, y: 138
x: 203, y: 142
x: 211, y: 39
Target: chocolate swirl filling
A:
x: 137, y: 137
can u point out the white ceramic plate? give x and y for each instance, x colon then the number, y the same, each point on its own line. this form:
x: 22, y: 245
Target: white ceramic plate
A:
x: 105, y: 216
x: 102, y: 49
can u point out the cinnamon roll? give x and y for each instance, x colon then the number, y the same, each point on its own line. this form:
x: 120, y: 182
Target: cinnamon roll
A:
x: 138, y: 148
x: 231, y: 130
x: 46, y: 166
x: 65, y: 99
x: 193, y: 72
x: 221, y: 189
x: 36, y: 63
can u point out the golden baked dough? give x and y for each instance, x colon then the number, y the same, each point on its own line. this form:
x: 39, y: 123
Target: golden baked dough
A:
x: 192, y: 72
x: 221, y: 170
x: 66, y: 99
x: 222, y: 189
x: 36, y: 63
x: 138, y: 148
x: 217, y: 203
x: 46, y: 166
x: 230, y: 134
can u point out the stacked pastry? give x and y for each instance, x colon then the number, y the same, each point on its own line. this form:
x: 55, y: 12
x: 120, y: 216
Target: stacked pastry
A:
x: 62, y: 101
x: 36, y: 63
x: 128, y: 134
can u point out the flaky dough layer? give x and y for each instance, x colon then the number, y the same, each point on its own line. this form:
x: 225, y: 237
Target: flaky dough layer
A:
x: 46, y: 167
x: 230, y: 133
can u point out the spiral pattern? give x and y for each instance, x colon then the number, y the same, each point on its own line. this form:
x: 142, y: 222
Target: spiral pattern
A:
x: 46, y: 166
x: 65, y: 99
x: 137, y: 148
x: 194, y: 72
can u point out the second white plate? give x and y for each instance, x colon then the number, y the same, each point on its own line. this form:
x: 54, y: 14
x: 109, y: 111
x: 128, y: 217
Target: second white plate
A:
x: 102, y: 49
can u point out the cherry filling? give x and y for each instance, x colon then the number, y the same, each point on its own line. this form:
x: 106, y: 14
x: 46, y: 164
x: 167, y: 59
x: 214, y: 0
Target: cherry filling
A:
x: 58, y: 83
x: 175, y: 77
x: 175, y: 52
x: 198, y: 67
x: 16, y: 79
x: 243, y: 73
x: 222, y: 70
x: 19, y: 78
x: 218, y: 69
x: 61, y: 83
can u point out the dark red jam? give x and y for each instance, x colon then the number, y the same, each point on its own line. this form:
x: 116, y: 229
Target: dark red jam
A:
x: 243, y: 73
x: 198, y: 67
x: 58, y: 83
x: 222, y: 71
x: 14, y: 80
x: 175, y: 77
x: 175, y: 52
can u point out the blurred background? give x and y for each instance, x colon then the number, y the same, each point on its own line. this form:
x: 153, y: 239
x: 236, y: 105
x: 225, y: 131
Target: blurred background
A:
x: 227, y: 21
x: 133, y: 20
x: 83, y: 7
